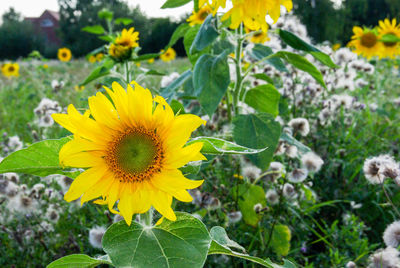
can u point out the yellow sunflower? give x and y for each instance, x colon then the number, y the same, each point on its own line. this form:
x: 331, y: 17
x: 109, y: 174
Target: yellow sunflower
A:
x: 10, y: 69
x: 150, y: 61
x: 168, y: 55
x: 336, y: 46
x: 365, y: 42
x: 78, y: 88
x: 390, y: 49
x: 121, y: 49
x: 99, y: 56
x: 259, y: 37
x: 64, y: 54
x: 200, y: 16
x: 92, y: 59
x: 132, y: 147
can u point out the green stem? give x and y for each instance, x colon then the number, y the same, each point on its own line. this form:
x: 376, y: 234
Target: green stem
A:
x: 146, y: 219
x: 239, y: 78
x: 390, y: 200
x: 228, y: 105
x: 127, y: 72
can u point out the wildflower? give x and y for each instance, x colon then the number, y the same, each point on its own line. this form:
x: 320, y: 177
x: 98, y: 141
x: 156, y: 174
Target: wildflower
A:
x: 272, y: 197
x: 64, y: 54
x: 45, y: 66
x: 375, y: 166
x: 10, y: 69
x: 168, y: 55
x: 14, y: 143
x: 132, y: 151
x: 52, y: 215
x: 258, y: 207
x: 336, y: 46
x: 21, y: 203
x: 96, y: 235
x: 46, y: 121
x: 92, y: 59
x: 251, y: 172
x: 234, y: 217
x: 288, y: 190
x: 300, y: 125
x: 11, y: 176
x: 199, y: 16
x: 57, y: 85
x: 387, y: 27
x: 385, y: 258
x: 150, y: 61
x: 312, y: 162
x: 391, y: 236
x: 99, y: 56
x: 291, y: 151
x: 365, y: 42
x: 297, y: 175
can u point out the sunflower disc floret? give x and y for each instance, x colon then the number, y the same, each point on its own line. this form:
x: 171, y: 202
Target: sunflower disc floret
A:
x: 132, y: 147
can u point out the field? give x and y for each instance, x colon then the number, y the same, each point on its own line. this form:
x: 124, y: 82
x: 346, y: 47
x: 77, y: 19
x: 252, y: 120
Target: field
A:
x: 297, y: 144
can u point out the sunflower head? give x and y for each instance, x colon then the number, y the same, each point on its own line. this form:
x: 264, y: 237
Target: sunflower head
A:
x: 387, y: 27
x: 92, y: 59
x: 132, y: 147
x: 365, y: 42
x: 200, y: 16
x: 168, y: 55
x: 10, y: 69
x: 259, y: 37
x: 99, y: 56
x: 119, y: 53
x: 128, y: 38
x: 64, y: 54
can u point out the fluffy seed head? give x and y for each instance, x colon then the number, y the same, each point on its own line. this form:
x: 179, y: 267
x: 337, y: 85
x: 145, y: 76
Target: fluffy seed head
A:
x: 391, y: 236
x: 272, y: 197
x: 312, y: 162
x: 96, y: 235
x: 297, y: 175
x: 251, y: 172
x: 234, y: 217
x: 300, y: 125
x: 385, y: 258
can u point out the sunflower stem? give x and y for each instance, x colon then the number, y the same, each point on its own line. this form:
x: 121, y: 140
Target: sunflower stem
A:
x: 147, y: 218
x: 239, y: 78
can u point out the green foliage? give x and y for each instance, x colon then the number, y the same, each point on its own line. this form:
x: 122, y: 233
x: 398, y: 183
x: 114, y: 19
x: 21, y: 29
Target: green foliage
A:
x: 205, y: 36
x: 264, y: 99
x: 174, y: 3
x: 182, y: 243
x: 218, y: 146
x: 77, y: 261
x: 280, y: 240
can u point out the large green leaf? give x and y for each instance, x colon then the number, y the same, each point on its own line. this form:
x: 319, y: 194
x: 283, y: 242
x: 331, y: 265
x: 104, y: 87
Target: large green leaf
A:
x: 261, y: 52
x: 181, y: 243
x: 301, y: 63
x: 100, y: 71
x: 169, y: 93
x: 95, y: 29
x: 264, y: 98
x: 248, y: 196
x: 174, y: 3
x: 124, y: 21
x: 39, y: 159
x: 280, y: 241
x: 78, y: 261
x: 188, y: 39
x: 219, y: 146
x: 205, y: 36
x: 257, y: 131
x: 211, y: 79
x: 297, y: 43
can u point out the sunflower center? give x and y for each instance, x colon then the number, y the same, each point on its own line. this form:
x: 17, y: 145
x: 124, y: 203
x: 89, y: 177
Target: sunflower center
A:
x: 203, y: 15
x: 64, y: 55
x: 135, y: 155
x: 369, y: 40
x: 11, y: 69
x: 390, y: 44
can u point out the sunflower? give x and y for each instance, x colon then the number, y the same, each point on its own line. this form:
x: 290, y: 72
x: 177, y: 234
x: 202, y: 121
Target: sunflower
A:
x: 121, y: 49
x: 132, y: 147
x: 200, y: 16
x: 365, y: 42
x: 336, y: 46
x: 10, y: 69
x: 168, y: 55
x: 390, y: 49
x: 150, y: 61
x: 99, y: 56
x: 64, y: 54
x: 92, y: 59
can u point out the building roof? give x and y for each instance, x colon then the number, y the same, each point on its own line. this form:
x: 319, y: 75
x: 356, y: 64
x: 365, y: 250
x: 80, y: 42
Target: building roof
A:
x: 54, y: 14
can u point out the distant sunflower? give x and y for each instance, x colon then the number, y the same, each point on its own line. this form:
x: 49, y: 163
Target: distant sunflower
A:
x: 132, y: 147
x: 64, y: 54
x: 365, y: 42
x: 200, y: 16
x: 390, y: 49
x: 122, y: 47
x: 99, y: 56
x: 259, y: 37
x: 10, y: 69
x: 92, y: 59
x: 168, y: 55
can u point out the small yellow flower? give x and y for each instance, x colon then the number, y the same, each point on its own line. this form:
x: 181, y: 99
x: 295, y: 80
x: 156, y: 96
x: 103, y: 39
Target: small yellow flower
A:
x: 336, y: 46
x: 132, y: 147
x: 150, y: 61
x: 365, y: 42
x: 99, y: 56
x: 10, y: 69
x: 138, y: 64
x: 237, y: 176
x: 92, y: 59
x: 386, y: 27
x: 200, y: 16
x: 168, y: 55
x: 45, y: 66
x: 79, y: 88
x: 64, y: 54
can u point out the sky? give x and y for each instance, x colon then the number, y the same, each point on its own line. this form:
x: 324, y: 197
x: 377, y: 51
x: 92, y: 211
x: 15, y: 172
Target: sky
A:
x: 34, y: 8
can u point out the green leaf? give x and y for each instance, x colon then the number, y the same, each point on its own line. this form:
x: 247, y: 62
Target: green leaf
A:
x: 390, y: 38
x: 77, y: 261
x: 211, y: 79
x: 169, y: 92
x: 219, y: 146
x: 105, y: 14
x: 107, y: 38
x: 264, y: 98
x: 191, y: 168
x: 261, y: 52
x: 181, y: 243
x: 248, y: 196
x: 177, y: 107
x: 303, y: 64
x: 188, y: 39
x: 264, y: 77
x: 147, y: 56
x: 95, y: 29
x: 219, y: 235
x: 297, y: 43
x: 205, y: 36
x: 264, y: 132
x: 100, y: 71
x: 280, y: 241
x: 154, y: 72
x: 179, y: 32
x: 124, y: 21
x: 292, y: 141
x: 196, y: 5
x: 40, y: 159
x: 174, y: 3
